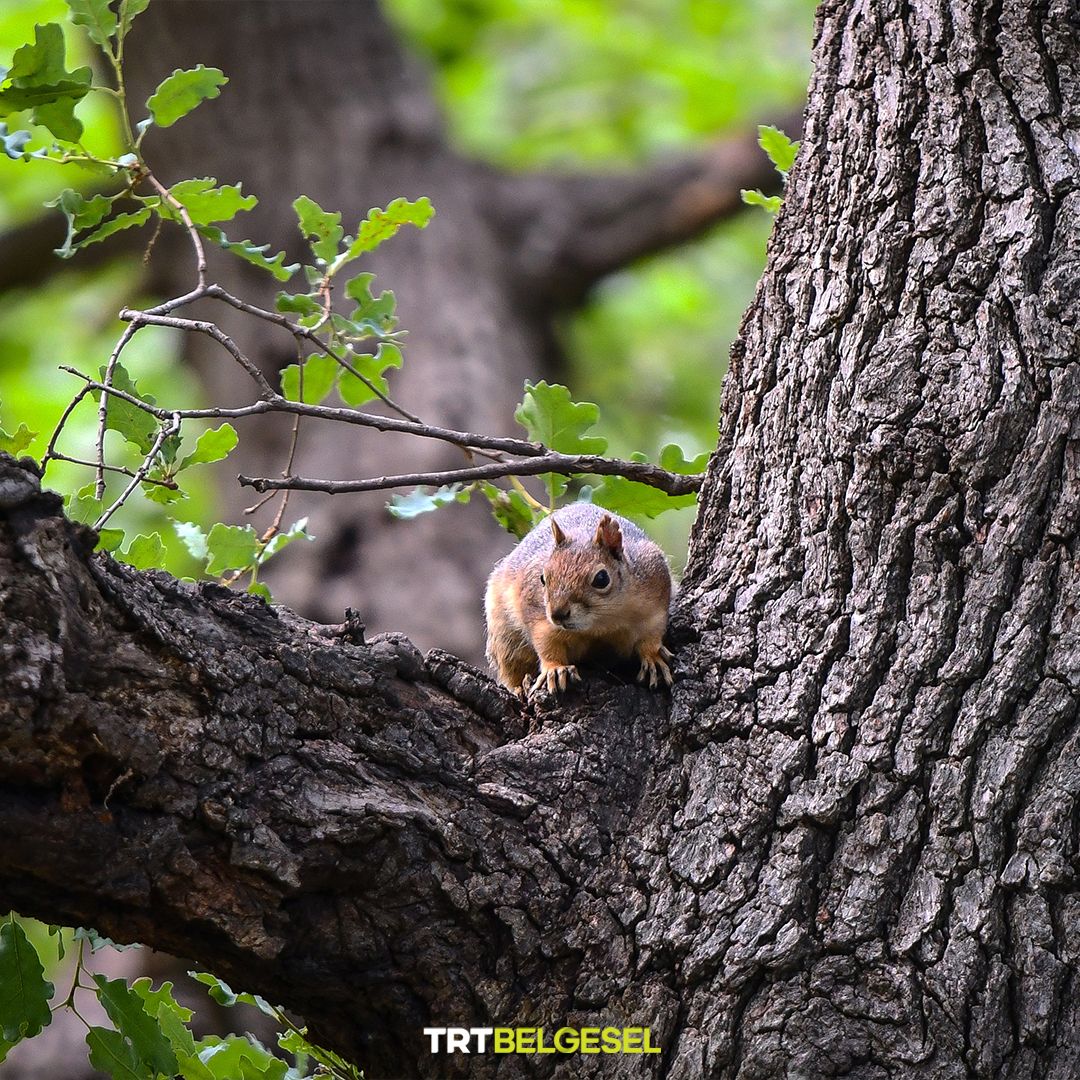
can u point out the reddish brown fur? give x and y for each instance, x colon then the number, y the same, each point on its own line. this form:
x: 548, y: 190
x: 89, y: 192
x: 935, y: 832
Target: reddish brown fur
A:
x: 537, y: 632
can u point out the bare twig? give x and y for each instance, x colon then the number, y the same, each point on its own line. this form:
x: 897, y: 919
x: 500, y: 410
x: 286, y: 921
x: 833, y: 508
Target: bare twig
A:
x: 103, y: 408
x: 185, y: 217
x: 116, y: 469
x: 140, y: 474
x: 50, y: 451
x: 563, y: 464
x: 277, y: 403
x: 201, y: 326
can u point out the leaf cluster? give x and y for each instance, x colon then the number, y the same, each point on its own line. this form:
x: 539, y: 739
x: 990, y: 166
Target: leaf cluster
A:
x: 151, y: 1036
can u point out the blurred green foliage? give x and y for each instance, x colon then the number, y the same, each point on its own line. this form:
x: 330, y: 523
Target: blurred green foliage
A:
x: 525, y: 83
x: 609, y: 84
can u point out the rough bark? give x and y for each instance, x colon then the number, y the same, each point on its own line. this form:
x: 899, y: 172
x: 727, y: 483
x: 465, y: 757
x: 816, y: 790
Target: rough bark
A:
x: 325, y: 100
x: 847, y: 848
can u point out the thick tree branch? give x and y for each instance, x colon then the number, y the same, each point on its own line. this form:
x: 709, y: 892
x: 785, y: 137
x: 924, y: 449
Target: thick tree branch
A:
x: 566, y: 231
x: 357, y: 831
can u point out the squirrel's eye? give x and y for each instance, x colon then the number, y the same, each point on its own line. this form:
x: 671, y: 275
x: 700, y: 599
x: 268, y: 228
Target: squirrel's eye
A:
x: 601, y: 581
x: 542, y: 582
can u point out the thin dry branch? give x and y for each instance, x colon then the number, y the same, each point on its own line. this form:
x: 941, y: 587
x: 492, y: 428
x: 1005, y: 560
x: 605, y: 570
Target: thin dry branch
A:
x: 563, y: 464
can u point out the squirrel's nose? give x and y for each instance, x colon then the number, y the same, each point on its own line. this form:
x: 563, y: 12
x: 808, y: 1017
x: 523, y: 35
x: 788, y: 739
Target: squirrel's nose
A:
x: 561, y: 614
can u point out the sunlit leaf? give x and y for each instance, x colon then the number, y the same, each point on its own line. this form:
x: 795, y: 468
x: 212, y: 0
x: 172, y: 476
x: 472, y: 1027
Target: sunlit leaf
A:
x: 182, y: 91
x: 778, y: 146
x: 419, y: 501
x: 380, y: 225
x: 231, y: 547
x: 753, y: 197
x: 320, y: 371
x: 97, y: 17
x: 372, y: 366
x: 145, y: 552
x: 212, y: 445
x: 224, y: 994
x: 322, y: 228
x: 193, y: 538
x: 252, y: 253
x: 206, y: 203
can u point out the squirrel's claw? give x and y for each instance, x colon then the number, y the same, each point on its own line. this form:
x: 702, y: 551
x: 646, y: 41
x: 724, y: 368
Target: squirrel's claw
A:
x: 654, y: 668
x: 555, y: 679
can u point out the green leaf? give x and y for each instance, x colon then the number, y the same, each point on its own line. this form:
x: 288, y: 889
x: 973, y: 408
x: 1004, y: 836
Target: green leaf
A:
x: 257, y: 588
x: 162, y: 495
x: 320, y: 371
x: 116, y: 224
x: 206, y: 203
x: 296, y: 531
x: 81, y: 213
x: 380, y: 225
x: 419, y: 501
x: 92, y: 937
x: 355, y: 391
x: 510, y: 509
x: 17, y: 443
x: 40, y: 82
x: 83, y: 507
x: 779, y: 147
x: 136, y: 425
x: 145, y: 552
x: 182, y: 91
x: 297, y: 1043
x: 109, y: 539
x: 128, y: 10
x: 300, y: 304
x: 234, y: 1058
x: 113, y: 1055
x: 631, y: 499
x: 374, y: 311
x: 97, y: 17
x: 753, y: 197
x: 673, y: 459
x: 231, y: 547
x: 322, y: 228
x: 212, y: 445
x: 252, y: 253
x: 550, y: 417
x: 170, y: 1014
x: 193, y: 538
x: 127, y: 1011
x: 24, y: 991
x: 224, y: 994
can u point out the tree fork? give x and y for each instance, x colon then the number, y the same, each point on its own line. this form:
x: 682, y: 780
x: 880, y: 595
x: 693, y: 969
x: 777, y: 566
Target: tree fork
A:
x: 343, y: 826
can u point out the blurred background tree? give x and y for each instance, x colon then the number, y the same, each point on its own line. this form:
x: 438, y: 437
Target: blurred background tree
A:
x: 525, y: 85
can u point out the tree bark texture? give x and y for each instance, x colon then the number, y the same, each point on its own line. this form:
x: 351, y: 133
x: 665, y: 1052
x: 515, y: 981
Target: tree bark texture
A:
x: 325, y: 100
x: 847, y: 846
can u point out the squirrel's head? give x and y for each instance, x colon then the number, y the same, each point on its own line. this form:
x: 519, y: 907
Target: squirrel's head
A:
x: 583, y: 578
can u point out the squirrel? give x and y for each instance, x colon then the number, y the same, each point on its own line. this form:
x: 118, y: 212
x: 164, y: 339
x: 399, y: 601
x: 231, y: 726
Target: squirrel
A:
x: 580, y: 583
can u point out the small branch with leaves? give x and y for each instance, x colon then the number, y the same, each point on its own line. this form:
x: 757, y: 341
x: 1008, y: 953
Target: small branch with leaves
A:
x: 343, y: 352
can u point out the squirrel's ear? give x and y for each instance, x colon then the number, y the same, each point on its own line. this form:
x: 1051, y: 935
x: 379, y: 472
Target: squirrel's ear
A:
x: 560, y: 536
x: 609, y: 535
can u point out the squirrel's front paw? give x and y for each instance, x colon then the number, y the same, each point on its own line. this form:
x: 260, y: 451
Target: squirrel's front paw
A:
x: 555, y: 678
x: 654, y: 666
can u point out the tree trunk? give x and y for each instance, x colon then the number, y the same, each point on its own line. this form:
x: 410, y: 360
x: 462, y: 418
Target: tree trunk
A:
x: 847, y: 845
